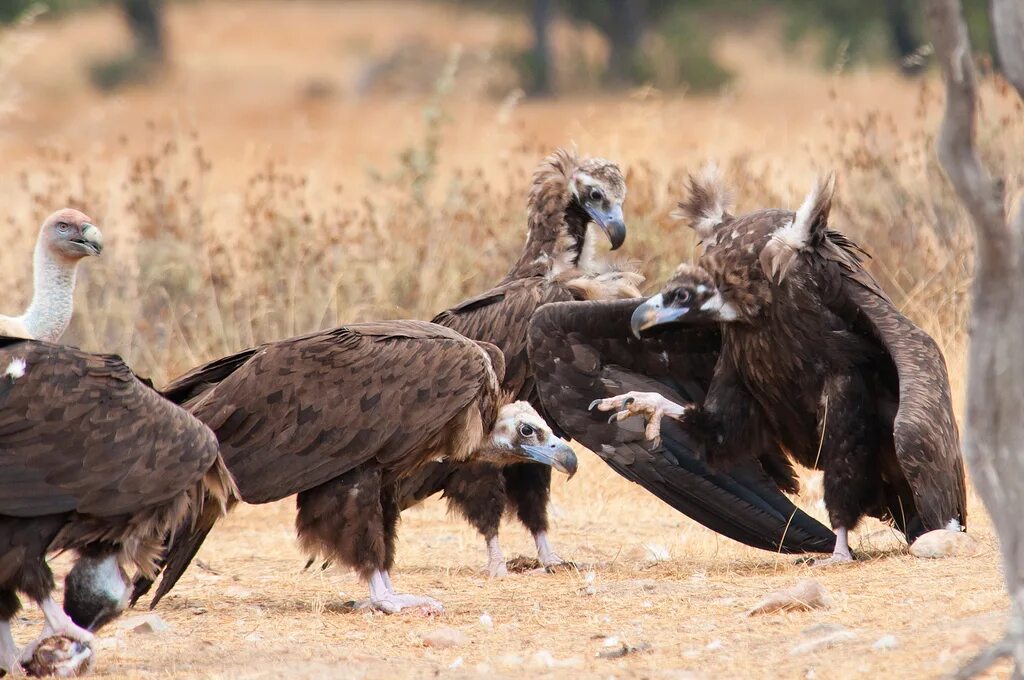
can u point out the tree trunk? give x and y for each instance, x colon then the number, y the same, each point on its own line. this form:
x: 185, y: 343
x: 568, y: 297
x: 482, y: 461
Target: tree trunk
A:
x: 145, y: 20
x: 625, y: 33
x: 541, y: 19
x: 994, y: 432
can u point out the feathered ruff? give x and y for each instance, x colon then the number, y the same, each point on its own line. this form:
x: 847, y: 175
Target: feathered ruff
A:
x: 808, y: 229
x: 708, y: 204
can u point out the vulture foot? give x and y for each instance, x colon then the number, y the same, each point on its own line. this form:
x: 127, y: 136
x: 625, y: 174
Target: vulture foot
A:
x: 651, y: 405
x: 495, y: 559
x: 393, y: 603
x: 10, y: 655
x: 841, y: 554
x: 59, y: 656
x: 545, y: 554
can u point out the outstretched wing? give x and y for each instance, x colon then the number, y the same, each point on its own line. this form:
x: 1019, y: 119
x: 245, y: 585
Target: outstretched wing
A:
x: 502, y: 316
x: 80, y: 432
x: 583, y: 351
x: 300, y: 412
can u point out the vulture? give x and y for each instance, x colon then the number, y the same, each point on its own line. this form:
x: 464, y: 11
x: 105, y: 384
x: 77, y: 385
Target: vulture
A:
x: 66, y: 237
x: 340, y: 417
x: 572, y: 201
x: 92, y: 460
x: 810, y: 362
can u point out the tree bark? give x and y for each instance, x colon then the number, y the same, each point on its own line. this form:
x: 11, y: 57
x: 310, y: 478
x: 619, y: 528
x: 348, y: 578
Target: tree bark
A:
x: 994, y: 432
x: 145, y: 20
x: 625, y: 33
x: 541, y: 19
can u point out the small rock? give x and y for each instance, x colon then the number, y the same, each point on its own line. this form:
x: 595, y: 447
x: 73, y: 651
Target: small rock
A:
x: 444, y: 638
x: 805, y: 595
x: 253, y: 637
x: 714, y: 645
x: 486, y: 621
x: 145, y: 623
x: 832, y: 635
x: 625, y: 650
x: 886, y: 642
x: 456, y: 664
x: 943, y: 543
x: 542, y: 660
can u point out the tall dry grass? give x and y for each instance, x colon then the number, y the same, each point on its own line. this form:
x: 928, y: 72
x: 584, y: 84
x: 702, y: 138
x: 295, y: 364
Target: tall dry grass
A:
x: 191, y: 273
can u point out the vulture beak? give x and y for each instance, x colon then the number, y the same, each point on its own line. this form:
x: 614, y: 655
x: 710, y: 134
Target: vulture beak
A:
x: 653, y: 313
x: 91, y: 241
x: 557, y: 454
x: 611, y: 222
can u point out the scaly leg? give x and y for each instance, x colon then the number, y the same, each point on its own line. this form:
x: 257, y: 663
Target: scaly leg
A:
x: 496, y: 567
x: 545, y: 554
x: 10, y: 655
x: 59, y: 623
x: 841, y: 554
x: 651, y: 405
x: 383, y: 598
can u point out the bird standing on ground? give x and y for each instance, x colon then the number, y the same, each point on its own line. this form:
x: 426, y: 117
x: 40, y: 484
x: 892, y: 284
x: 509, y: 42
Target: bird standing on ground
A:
x: 815, y: 362
x: 341, y: 417
x: 66, y: 237
x: 572, y: 201
x: 95, y: 461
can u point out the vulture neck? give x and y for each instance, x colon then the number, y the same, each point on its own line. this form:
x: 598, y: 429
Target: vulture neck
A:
x: 556, y: 226
x: 53, y: 295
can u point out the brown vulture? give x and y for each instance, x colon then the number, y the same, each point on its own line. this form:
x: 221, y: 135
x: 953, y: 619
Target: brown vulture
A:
x: 571, y: 199
x: 66, y: 237
x: 92, y: 460
x: 340, y: 418
x: 812, y: 363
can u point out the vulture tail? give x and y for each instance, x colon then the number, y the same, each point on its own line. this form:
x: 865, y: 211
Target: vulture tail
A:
x: 219, y: 495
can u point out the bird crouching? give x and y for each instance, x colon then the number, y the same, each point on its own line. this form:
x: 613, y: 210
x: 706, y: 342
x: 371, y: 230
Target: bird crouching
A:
x: 105, y: 470
x: 340, y: 418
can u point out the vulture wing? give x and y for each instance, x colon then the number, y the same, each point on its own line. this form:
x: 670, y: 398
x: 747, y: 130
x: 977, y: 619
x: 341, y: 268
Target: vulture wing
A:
x: 80, y: 432
x: 297, y: 413
x: 925, y: 432
x: 583, y: 351
x: 502, y: 316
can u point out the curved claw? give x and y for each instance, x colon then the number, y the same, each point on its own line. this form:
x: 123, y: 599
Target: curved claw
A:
x: 594, y: 404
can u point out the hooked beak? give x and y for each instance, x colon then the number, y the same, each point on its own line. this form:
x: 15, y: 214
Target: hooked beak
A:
x: 558, y: 455
x: 653, y: 313
x: 91, y: 241
x: 611, y: 222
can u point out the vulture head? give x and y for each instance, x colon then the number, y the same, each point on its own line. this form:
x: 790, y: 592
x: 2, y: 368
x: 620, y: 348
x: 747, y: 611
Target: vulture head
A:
x: 597, y: 190
x: 520, y: 435
x: 690, y: 297
x: 70, y: 235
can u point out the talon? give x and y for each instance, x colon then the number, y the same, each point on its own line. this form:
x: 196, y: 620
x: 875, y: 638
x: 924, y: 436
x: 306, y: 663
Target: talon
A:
x: 594, y: 404
x: 629, y: 402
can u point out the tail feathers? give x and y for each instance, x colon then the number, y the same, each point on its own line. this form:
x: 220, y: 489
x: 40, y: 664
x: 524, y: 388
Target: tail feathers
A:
x: 220, y: 495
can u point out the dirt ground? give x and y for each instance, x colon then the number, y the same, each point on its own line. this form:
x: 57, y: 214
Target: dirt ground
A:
x: 251, y: 78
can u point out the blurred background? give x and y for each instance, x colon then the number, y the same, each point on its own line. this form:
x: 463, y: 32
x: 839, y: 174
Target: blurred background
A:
x: 265, y: 167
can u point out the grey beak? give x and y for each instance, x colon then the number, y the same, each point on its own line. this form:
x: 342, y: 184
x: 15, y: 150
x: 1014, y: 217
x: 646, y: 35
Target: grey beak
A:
x: 654, y: 313
x: 612, y: 224
x: 558, y: 455
x: 92, y: 239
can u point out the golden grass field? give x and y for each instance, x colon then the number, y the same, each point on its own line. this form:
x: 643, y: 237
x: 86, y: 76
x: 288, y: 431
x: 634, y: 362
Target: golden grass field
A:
x: 255, y: 192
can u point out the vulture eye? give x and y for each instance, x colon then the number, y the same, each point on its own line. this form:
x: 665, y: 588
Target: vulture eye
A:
x: 596, y: 194
x: 526, y: 430
x: 683, y: 295
x: 63, y: 227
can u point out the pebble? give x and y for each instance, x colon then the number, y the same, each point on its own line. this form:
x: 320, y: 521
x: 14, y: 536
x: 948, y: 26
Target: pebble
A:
x: 824, y: 636
x: 444, y: 638
x: 943, y: 543
x: 144, y: 623
x: 886, y: 642
x: 804, y: 595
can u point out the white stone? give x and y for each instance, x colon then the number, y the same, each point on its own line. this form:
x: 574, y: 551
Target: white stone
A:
x: 943, y: 543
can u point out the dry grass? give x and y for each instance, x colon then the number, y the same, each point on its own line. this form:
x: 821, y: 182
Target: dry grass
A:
x: 244, y: 200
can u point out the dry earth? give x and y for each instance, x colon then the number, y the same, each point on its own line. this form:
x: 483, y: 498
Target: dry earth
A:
x: 244, y: 79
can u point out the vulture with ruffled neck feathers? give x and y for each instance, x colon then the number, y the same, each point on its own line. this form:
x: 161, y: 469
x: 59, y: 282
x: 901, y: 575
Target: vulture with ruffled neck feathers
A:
x: 92, y: 460
x: 573, y: 201
x: 340, y: 418
x: 814, y: 364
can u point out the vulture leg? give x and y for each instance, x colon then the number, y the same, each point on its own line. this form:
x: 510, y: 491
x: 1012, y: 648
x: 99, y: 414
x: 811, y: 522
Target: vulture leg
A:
x: 477, y: 492
x: 352, y: 519
x: 10, y: 655
x: 96, y: 590
x: 849, y: 452
x: 529, y: 489
x: 651, y: 405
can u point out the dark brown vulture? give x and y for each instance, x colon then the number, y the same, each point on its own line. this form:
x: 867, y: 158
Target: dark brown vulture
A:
x: 814, y: 361
x: 95, y: 461
x: 571, y: 200
x: 341, y: 417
